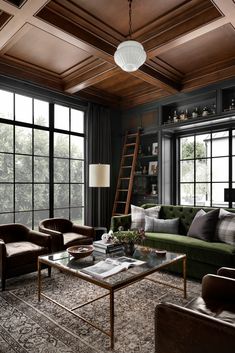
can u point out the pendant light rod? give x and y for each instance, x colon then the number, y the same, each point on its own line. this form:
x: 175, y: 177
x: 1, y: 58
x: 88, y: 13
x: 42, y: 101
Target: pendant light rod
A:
x: 130, y: 19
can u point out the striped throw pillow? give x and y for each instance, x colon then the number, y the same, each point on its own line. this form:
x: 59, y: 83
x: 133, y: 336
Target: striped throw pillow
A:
x: 138, y: 215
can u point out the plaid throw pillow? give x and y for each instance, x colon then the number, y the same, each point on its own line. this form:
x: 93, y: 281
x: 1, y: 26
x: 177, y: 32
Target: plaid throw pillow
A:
x: 155, y: 225
x: 138, y: 215
x: 225, y: 230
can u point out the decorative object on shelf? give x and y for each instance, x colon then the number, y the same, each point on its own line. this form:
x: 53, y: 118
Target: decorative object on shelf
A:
x: 213, y: 110
x: 155, y: 148
x: 232, y: 105
x: 153, y: 168
x: 195, y: 113
x: 130, y: 54
x: 154, y: 189
x: 149, y: 150
x: 129, y: 239
x: 175, y: 117
x: 145, y: 170
x: 205, y: 111
x: 80, y: 251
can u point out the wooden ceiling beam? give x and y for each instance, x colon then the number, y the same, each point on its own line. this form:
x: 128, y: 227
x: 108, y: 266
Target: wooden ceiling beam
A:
x: 90, y: 78
x: 227, y: 8
x: 20, y: 17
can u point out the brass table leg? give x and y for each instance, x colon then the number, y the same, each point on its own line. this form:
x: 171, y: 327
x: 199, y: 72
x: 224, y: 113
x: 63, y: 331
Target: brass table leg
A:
x: 39, y: 280
x: 184, y: 275
x: 112, y: 318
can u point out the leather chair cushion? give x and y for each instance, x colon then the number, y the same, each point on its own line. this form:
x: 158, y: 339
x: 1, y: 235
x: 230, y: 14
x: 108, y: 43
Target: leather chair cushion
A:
x: 224, y: 311
x: 71, y: 239
x: 20, y: 253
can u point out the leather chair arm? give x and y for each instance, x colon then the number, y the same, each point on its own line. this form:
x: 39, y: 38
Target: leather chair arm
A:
x: 181, y: 330
x: 226, y: 272
x: 218, y: 288
x: 84, y: 230
x: 2, y: 257
x: 40, y: 238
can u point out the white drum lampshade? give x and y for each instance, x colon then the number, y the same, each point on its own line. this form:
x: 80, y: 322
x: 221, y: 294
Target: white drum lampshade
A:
x: 99, y: 175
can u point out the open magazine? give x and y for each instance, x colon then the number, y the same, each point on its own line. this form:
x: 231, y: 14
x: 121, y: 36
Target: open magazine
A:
x: 109, y: 267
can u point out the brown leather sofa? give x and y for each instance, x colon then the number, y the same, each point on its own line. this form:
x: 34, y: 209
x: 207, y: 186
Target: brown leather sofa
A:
x: 19, y: 250
x: 205, y: 325
x: 65, y: 233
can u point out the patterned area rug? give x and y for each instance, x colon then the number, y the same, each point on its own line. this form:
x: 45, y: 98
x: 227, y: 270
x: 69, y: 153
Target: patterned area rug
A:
x: 27, y: 326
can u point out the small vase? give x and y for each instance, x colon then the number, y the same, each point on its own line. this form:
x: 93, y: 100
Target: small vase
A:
x: 129, y: 248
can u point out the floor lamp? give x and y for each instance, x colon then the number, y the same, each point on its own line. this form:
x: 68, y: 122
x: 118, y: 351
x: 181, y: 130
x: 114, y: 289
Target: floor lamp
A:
x: 99, y: 177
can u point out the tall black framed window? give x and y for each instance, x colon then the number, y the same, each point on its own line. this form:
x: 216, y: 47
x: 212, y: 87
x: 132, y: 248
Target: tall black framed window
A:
x: 41, y: 160
x: 206, y: 168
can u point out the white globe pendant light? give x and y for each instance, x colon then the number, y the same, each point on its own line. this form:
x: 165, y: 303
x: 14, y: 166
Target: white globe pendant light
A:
x: 130, y: 55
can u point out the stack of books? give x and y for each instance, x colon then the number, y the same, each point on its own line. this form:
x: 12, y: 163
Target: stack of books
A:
x: 106, y: 248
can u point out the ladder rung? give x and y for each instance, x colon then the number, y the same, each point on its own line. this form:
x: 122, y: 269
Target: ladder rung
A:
x: 126, y: 166
x: 120, y: 201
x: 123, y: 190
x: 118, y: 214
x: 131, y: 135
x: 125, y: 178
x: 130, y: 144
x: 128, y: 155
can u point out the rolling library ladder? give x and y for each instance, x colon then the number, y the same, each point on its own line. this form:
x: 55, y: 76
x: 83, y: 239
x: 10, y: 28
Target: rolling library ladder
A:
x: 126, y: 174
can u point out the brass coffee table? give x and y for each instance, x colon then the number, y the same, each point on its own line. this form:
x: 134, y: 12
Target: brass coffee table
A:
x: 67, y: 264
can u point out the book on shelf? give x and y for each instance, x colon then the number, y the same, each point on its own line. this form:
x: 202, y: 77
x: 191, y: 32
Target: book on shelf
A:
x: 105, y: 248
x: 109, y: 267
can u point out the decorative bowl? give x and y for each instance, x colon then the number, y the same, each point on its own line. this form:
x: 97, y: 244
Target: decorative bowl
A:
x: 80, y: 251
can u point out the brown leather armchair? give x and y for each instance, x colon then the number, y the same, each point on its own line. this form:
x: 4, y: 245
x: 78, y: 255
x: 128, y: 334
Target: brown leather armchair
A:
x: 19, y: 250
x: 65, y: 233
x: 206, y: 324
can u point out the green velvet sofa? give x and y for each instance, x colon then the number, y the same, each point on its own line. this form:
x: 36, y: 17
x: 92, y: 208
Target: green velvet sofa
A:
x: 202, y: 257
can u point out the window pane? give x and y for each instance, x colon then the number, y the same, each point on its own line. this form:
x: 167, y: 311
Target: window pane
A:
x: 23, y: 140
x: 23, y: 168
x: 6, y: 138
x: 233, y: 178
x: 186, y: 194
x: 6, y: 218
x: 6, y: 198
x: 62, y: 213
x: 77, y: 215
x: 39, y: 216
x: 203, y: 170
x: 220, y: 169
x: 233, y: 139
x: 6, y: 106
x: 23, y: 197
x: 77, y: 147
x: 77, y: 121
x: 203, y: 146
x: 24, y: 218
x: 233, y: 186
x: 218, y: 194
x: 41, y: 112
x: 187, y: 147
x: 6, y: 167
x: 61, y: 145
x: 61, y: 170
x: 61, y: 117
x: 220, y: 144
x: 203, y: 197
x: 61, y: 195
x: 41, y: 142
x: 41, y: 169
x: 187, y: 171
x: 77, y: 195
x: 41, y: 196
x: 77, y: 171
x: 23, y: 108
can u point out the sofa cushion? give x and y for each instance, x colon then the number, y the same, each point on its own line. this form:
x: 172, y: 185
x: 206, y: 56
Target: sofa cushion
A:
x: 162, y: 225
x: 216, y: 254
x: 225, y: 229
x: 203, y: 225
x: 138, y: 215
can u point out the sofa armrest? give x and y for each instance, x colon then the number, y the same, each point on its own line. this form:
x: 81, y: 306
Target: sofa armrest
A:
x: 226, y: 272
x: 39, y: 238
x: 120, y: 221
x: 84, y: 230
x: 218, y: 288
x: 181, y: 330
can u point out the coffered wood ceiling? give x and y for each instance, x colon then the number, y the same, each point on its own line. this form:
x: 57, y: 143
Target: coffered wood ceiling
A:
x: 69, y: 46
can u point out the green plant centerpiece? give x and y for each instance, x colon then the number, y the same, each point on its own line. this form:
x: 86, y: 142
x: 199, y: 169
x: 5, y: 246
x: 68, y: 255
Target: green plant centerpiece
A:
x: 129, y: 238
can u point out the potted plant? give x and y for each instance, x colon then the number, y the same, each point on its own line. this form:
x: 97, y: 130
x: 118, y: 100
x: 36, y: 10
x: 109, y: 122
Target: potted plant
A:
x: 129, y: 239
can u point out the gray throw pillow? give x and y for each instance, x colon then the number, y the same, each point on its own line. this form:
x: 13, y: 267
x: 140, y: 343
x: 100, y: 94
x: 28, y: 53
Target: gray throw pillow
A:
x: 155, y: 225
x: 203, y: 225
x: 138, y: 215
x: 225, y: 229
